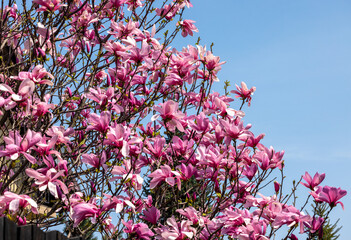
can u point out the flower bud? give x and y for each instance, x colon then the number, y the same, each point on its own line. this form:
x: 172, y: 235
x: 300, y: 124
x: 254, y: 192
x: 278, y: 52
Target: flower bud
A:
x: 21, y: 221
x: 293, y: 237
x: 93, y: 188
x: 276, y: 186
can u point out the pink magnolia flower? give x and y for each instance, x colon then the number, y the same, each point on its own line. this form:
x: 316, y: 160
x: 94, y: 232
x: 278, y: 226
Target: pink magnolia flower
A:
x: 100, y: 96
x: 252, y: 141
x: 49, y: 5
x: 117, y: 136
x: 211, y: 62
x: 291, y: 216
x: 83, y: 210
x: 85, y: 18
x: 232, y: 130
x: 165, y: 174
x: 116, y: 48
x: 329, y: 195
x: 21, y: 221
x: 170, y: 115
x: 14, y: 202
x: 46, y: 147
x: 41, y: 108
x: 174, y: 79
x: 313, y: 183
x: 168, y: 11
x: 202, y: 123
x: 151, y: 215
x: 176, y: 230
x: 62, y: 135
x: 37, y: 75
x: 10, y: 11
x: 244, y: 93
x: 250, y: 171
x: 42, y: 42
x: 140, y: 54
x: 25, y: 92
x: 187, y: 171
x: 133, y: 4
x: 264, y: 160
x: 16, y: 145
x: 275, y: 158
x: 48, y: 178
x: 156, y: 149
x: 191, y: 214
x: 187, y: 27
x: 272, y: 209
x: 119, y: 30
x: 117, y: 203
x: 115, y: 3
x: 210, y: 156
x: 94, y: 160
x: 223, y: 110
x: 182, y: 148
x: 130, y: 177
x: 254, y: 230
x: 316, y: 224
x: 141, y: 230
x: 99, y: 123
x: 185, y: 3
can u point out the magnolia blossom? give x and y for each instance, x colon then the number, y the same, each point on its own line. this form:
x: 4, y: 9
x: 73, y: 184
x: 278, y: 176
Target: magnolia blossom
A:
x: 176, y: 230
x: 99, y: 123
x: 48, y: 179
x: 316, y: 224
x: 313, y: 183
x: 244, y: 93
x: 151, y: 215
x: 84, y: 210
x: 16, y: 145
x: 166, y: 174
x: 49, y: 5
x: 37, y: 75
x: 14, y: 202
x: 170, y: 115
x: 25, y: 90
x: 95, y: 161
x: 141, y: 230
x: 187, y: 27
x: 330, y: 195
x: 128, y: 176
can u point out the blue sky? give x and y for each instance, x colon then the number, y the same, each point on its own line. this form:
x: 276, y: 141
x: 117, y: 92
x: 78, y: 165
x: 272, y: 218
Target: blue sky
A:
x: 298, y: 55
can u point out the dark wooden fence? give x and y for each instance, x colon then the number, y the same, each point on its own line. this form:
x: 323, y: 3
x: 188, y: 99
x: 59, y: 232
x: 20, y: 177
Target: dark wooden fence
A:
x: 10, y: 231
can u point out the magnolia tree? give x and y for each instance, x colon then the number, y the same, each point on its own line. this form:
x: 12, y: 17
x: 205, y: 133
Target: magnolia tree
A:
x: 107, y: 128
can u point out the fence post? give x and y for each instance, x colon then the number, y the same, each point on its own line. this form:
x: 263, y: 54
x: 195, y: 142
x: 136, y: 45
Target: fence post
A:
x: 8, y: 229
x: 55, y: 235
x: 25, y: 232
x: 30, y: 232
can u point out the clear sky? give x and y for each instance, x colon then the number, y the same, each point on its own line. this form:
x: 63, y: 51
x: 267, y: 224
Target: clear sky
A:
x: 298, y: 55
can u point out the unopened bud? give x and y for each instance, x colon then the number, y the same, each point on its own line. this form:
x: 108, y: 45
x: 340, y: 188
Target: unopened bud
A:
x: 293, y: 237
x: 276, y: 186
x: 21, y: 221
x: 69, y: 92
x: 93, y: 188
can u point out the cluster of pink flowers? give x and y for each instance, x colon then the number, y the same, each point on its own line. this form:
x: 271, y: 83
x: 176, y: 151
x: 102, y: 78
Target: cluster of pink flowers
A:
x: 103, y: 122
